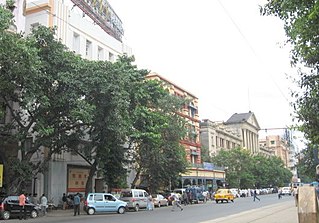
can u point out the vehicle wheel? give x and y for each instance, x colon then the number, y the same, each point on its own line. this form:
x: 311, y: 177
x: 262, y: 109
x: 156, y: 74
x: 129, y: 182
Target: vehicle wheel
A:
x: 34, y: 214
x: 6, y: 215
x: 91, y: 211
x: 227, y: 200
x: 159, y: 204
x: 121, y: 210
x: 137, y: 208
x: 216, y: 201
x: 232, y: 201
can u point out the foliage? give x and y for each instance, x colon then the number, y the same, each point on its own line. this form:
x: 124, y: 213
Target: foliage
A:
x: 244, y: 170
x: 156, y: 137
x: 301, y: 24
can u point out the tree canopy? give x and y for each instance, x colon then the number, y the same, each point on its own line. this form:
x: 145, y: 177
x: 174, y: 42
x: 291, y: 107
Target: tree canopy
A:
x: 244, y: 170
x: 56, y: 101
x: 301, y: 21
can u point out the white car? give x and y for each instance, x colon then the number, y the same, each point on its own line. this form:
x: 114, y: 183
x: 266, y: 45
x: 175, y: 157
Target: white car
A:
x: 286, y: 191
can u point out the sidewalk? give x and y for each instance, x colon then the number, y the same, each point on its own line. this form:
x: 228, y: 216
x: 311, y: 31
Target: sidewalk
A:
x: 62, y: 213
x: 285, y: 212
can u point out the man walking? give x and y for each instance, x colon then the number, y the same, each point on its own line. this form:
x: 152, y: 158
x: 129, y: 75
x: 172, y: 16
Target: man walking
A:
x: 22, y: 199
x: 255, y: 195
x: 76, y: 203
x: 176, y: 202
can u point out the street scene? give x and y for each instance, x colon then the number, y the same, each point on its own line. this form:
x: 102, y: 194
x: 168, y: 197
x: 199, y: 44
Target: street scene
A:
x: 154, y: 111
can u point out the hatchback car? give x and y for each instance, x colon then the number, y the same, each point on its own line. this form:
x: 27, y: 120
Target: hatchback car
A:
x: 9, y: 207
x: 159, y: 200
x: 103, y: 202
x: 223, y: 195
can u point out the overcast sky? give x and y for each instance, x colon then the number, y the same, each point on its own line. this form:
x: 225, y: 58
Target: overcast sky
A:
x: 222, y: 51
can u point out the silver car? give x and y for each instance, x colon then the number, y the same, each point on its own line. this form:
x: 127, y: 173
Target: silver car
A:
x: 103, y: 202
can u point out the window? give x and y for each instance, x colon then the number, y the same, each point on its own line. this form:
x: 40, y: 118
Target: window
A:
x: 272, y: 142
x: 88, y: 49
x: 76, y: 43
x: 98, y: 197
x: 192, y: 110
x: 100, y: 53
x: 111, y: 57
x: 34, y: 26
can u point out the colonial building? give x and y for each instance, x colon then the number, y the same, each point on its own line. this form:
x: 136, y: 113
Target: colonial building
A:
x: 245, y: 125
x: 215, y: 136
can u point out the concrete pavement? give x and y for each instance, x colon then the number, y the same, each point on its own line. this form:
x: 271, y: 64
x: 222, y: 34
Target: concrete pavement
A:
x: 284, y: 212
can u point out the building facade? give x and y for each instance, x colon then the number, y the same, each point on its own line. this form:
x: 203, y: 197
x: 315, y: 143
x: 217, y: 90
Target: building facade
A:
x: 277, y: 146
x: 89, y: 28
x: 245, y: 125
x: 93, y: 30
x: 199, y: 174
x: 215, y: 136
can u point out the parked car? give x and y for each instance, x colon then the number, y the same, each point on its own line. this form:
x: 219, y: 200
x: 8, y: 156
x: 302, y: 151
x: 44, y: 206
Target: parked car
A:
x: 135, y: 198
x: 103, y: 202
x: 9, y: 207
x: 223, y: 195
x: 159, y: 200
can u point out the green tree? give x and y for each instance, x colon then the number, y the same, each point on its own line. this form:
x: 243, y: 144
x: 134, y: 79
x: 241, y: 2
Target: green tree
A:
x: 244, y: 170
x: 158, y: 129
x: 301, y: 26
x: 35, y: 89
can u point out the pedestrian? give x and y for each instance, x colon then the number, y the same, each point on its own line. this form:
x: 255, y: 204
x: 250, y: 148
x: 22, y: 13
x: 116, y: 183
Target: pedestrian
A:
x: 279, y: 194
x: 150, y: 203
x: 76, y: 204
x: 295, y: 193
x: 185, y: 198
x: 255, y: 195
x: 22, y: 200
x: 64, y: 201
x: 44, y: 204
x: 176, y: 202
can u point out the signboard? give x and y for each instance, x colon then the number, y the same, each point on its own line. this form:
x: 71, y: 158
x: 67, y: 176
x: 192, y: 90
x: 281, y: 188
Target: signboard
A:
x: 1, y: 174
x: 77, y: 178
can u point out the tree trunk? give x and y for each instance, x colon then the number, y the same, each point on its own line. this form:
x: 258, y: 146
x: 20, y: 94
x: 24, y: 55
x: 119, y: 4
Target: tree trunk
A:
x: 137, y: 176
x: 89, y: 185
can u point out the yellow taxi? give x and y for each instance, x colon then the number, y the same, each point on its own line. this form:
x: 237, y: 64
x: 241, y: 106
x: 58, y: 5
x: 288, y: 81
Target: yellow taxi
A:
x: 223, y: 195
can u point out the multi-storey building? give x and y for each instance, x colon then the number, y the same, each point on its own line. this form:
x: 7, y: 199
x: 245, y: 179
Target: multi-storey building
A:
x: 198, y: 174
x: 245, y: 125
x: 240, y: 130
x: 277, y: 146
x: 93, y: 30
x: 190, y: 113
x: 90, y: 28
x: 215, y: 136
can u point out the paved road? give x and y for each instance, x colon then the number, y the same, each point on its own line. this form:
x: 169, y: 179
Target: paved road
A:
x: 243, y: 210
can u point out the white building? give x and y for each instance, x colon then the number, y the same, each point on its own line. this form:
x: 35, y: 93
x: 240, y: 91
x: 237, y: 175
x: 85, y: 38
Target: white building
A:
x: 91, y: 29
x: 215, y: 136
